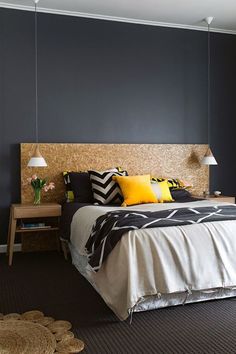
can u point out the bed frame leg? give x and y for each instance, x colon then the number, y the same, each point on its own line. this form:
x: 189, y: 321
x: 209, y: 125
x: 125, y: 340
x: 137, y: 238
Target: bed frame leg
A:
x: 64, y: 249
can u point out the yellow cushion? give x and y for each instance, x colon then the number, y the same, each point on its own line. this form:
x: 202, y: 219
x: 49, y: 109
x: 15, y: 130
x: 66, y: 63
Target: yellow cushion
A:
x: 136, y: 189
x: 162, y: 191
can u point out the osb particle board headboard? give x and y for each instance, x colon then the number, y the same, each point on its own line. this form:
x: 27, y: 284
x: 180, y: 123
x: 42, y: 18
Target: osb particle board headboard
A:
x: 166, y: 160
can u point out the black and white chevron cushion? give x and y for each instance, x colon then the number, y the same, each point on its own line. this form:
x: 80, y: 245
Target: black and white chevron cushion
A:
x: 105, y: 190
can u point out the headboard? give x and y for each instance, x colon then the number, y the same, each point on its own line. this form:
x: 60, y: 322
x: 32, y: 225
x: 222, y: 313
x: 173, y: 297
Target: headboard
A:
x: 164, y: 160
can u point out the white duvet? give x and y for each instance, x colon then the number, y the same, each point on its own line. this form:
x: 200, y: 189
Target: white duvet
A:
x: 160, y: 261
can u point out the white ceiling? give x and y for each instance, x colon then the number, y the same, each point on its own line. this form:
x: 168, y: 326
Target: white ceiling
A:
x: 174, y: 13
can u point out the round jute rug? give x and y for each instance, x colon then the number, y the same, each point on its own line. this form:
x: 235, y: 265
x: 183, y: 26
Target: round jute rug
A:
x: 34, y: 333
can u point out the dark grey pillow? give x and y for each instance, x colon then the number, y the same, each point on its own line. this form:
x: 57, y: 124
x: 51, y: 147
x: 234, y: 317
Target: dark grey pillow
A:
x: 81, y: 187
x: 182, y: 195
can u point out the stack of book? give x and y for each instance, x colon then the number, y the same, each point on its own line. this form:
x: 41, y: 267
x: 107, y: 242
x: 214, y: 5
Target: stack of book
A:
x: 36, y: 225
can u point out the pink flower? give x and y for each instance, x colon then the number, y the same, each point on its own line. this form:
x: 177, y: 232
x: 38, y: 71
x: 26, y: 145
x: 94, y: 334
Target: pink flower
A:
x: 51, y: 185
x: 34, y: 177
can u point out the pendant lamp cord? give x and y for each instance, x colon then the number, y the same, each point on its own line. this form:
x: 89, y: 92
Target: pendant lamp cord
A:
x: 208, y: 85
x: 36, y: 71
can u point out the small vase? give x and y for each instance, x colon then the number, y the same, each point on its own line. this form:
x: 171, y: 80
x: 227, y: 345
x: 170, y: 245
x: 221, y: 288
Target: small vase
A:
x: 37, y: 196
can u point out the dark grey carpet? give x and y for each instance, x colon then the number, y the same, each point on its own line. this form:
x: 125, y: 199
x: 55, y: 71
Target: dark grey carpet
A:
x: 45, y: 281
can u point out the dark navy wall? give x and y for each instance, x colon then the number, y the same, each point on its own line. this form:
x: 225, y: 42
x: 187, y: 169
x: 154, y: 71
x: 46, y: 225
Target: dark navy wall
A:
x: 102, y: 81
x: 223, y: 112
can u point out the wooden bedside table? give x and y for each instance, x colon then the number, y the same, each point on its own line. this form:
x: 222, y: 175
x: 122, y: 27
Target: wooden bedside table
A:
x: 221, y: 198
x: 30, y: 211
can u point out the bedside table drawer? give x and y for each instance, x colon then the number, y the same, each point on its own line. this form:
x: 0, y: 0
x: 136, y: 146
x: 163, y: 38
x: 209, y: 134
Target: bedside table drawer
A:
x: 37, y: 211
x: 222, y: 199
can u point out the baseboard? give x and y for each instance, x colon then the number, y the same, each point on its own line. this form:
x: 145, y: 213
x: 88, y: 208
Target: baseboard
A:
x: 17, y: 248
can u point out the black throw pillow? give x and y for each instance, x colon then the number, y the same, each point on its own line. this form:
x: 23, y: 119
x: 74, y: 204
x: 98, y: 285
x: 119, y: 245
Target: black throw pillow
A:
x: 81, y: 187
x: 182, y: 196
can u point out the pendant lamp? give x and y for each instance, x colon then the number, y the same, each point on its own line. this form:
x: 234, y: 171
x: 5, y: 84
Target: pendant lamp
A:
x: 208, y: 158
x: 37, y: 159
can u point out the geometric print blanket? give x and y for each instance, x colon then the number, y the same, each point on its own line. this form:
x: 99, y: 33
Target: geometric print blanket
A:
x: 110, y: 227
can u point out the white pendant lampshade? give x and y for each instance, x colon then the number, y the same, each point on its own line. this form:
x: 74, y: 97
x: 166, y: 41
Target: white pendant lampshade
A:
x: 209, y: 158
x: 37, y: 159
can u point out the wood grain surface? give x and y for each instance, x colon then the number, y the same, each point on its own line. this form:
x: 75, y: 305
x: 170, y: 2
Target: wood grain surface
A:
x: 160, y: 160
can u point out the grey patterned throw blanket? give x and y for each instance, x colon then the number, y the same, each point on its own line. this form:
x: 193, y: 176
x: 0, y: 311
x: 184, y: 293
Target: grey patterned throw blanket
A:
x: 110, y: 227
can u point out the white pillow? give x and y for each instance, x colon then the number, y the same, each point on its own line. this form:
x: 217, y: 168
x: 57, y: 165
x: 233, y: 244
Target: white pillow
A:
x: 157, y: 190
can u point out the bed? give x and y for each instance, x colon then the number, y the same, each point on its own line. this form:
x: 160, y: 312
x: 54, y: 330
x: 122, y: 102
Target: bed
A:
x: 148, y: 268
x: 159, y: 267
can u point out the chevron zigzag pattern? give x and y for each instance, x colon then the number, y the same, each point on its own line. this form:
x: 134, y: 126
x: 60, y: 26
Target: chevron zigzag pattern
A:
x: 105, y: 190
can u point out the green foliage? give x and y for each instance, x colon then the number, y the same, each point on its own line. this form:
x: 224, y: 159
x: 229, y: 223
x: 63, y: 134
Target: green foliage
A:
x: 38, y: 183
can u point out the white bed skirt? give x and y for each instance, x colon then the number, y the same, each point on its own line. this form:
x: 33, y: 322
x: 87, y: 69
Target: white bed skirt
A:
x: 157, y: 301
